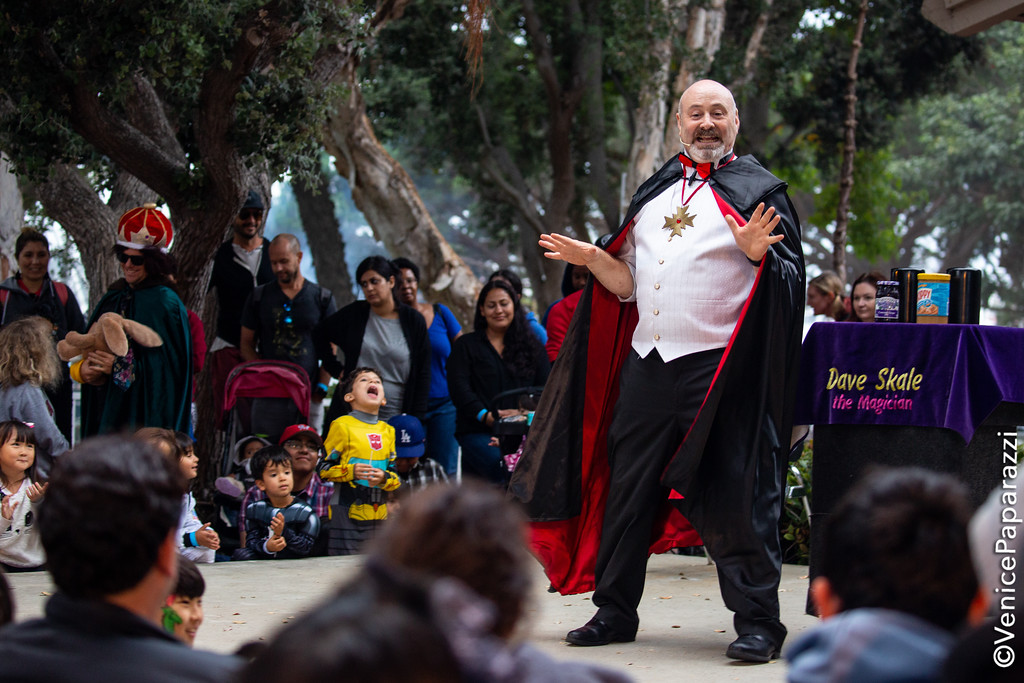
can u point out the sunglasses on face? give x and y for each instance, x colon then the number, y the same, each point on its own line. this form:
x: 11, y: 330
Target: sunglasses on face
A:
x: 136, y: 259
x: 246, y: 214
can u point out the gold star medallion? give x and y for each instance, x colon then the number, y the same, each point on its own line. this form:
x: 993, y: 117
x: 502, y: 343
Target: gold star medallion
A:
x: 679, y: 221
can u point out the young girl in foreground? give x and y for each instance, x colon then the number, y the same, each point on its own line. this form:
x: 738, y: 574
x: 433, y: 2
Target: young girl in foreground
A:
x: 20, y: 547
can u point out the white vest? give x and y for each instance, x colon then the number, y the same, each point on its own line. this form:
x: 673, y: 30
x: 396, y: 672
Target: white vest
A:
x: 690, y: 289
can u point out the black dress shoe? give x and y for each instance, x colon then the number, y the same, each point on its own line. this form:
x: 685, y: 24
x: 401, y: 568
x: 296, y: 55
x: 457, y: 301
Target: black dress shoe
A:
x: 596, y: 632
x: 753, y: 648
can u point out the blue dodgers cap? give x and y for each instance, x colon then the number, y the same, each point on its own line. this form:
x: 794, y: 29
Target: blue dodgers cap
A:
x: 410, y: 437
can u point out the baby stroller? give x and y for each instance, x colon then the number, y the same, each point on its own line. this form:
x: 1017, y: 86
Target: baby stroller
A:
x: 264, y: 397
x: 261, y: 398
x: 511, y: 431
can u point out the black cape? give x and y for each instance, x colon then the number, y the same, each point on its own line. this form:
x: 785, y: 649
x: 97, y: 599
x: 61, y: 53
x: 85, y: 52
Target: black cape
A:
x: 562, y: 478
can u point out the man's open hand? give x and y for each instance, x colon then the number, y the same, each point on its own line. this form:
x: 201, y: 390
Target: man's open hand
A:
x: 756, y: 236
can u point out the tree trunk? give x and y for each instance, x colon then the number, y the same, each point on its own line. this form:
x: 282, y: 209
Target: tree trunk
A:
x: 704, y: 29
x: 592, y: 116
x: 11, y: 217
x: 849, y: 150
x: 386, y: 195
x: 653, y: 113
x: 326, y: 246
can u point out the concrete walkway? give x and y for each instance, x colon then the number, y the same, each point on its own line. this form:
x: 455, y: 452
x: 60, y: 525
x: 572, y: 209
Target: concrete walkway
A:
x: 684, y: 628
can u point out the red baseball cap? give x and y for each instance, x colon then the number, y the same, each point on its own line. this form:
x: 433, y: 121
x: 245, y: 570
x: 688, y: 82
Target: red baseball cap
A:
x: 290, y: 432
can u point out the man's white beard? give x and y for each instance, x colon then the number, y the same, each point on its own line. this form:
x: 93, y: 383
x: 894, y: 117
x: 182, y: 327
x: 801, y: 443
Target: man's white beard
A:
x: 706, y: 155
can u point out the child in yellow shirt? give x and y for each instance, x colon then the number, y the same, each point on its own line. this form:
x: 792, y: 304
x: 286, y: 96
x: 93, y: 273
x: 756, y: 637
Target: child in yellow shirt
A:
x: 360, y: 450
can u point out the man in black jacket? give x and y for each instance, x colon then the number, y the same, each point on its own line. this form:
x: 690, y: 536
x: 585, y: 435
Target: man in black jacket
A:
x: 239, y: 266
x: 109, y: 527
x: 694, y: 325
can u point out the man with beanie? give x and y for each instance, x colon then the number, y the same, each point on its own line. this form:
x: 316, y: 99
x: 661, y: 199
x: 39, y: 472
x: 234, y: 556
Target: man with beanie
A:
x: 239, y: 266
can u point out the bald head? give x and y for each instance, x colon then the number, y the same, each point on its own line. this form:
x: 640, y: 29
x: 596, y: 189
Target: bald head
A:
x: 287, y: 241
x: 708, y: 121
x: 285, y: 254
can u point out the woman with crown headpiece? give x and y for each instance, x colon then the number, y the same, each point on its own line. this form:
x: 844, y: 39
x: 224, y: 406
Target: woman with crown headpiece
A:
x: 150, y: 386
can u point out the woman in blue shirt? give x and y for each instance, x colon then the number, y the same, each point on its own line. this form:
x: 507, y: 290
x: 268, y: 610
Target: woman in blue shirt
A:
x: 443, y: 329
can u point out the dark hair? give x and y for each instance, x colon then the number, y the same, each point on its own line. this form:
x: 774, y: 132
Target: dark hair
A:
x: 521, y: 345
x: 26, y: 237
x: 898, y: 540
x: 385, y: 268
x: 378, y: 628
x: 184, y: 442
x: 402, y: 262
x: 16, y: 430
x: 190, y: 581
x: 469, y: 532
x: 350, y: 378
x: 871, y: 278
x: 267, y: 456
x: 107, y: 482
x: 507, y: 275
x: 160, y: 266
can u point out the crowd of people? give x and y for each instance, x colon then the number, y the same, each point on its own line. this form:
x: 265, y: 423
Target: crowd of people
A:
x: 413, y: 391
x: 668, y: 375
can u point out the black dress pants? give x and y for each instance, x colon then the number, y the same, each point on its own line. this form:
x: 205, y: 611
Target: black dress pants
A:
x: 657, y: 403
x: 738, y: 504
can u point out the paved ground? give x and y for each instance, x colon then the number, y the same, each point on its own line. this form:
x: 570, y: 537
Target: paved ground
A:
x: 684, y: 628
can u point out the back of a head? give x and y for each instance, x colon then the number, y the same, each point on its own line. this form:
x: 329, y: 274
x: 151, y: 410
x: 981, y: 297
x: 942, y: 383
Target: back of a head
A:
x: 379, y: 627
x: 898, y: 540
x: 105, y: 484
x: 27, y: 354
x: 467, y: 532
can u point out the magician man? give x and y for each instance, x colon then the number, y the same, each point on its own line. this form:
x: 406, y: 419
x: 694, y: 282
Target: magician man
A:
x: 671, y: 402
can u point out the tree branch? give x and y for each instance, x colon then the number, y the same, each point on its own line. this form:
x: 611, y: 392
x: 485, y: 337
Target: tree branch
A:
x: 753, y: 47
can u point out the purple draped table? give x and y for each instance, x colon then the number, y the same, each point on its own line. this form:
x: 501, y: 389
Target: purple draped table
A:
x: 934, y: 396
x: 950, y: 376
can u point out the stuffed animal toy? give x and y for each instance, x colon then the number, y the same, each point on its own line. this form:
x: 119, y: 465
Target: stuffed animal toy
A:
x: 110, y: 333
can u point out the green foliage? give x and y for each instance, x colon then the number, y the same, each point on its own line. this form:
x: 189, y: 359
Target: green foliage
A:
x: 903, y: 57
x: 418, y: 92
x: 48, y: 49
x: 794, y: 525
x: 876, y: 201
x: 963, y: 158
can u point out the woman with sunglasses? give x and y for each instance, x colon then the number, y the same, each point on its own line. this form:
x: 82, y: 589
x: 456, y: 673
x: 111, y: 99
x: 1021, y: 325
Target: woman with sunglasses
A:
x: 30, y: 291
x: 381, y: 333
x: 148, y: 387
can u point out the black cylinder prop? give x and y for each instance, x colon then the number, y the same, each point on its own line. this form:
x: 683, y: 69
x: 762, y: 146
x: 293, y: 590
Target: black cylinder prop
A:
x: 907, y: 279
x: 964, y: 295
